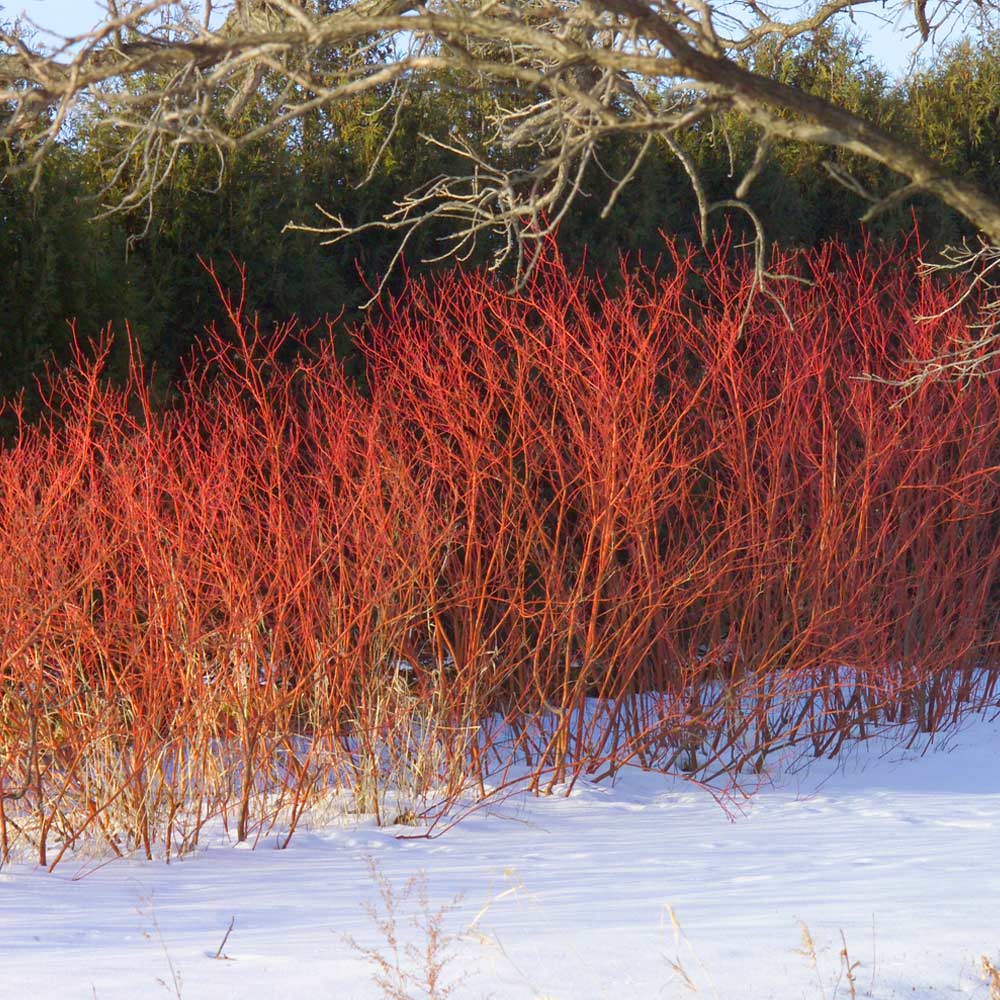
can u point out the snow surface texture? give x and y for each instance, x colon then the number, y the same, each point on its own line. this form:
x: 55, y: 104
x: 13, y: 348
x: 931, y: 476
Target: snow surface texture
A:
x: 565, y: 898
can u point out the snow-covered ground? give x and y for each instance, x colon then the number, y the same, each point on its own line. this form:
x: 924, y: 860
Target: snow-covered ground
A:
x: 564, y: 898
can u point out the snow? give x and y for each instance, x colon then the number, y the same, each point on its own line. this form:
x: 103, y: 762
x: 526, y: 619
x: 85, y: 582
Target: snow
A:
x: 565, y: 897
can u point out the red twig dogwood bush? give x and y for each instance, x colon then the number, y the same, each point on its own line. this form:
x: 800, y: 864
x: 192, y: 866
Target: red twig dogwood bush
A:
x: 559, y: 532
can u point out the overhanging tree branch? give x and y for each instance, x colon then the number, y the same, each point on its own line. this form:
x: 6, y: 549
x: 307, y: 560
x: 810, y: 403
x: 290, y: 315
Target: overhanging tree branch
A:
x: 560, y: 78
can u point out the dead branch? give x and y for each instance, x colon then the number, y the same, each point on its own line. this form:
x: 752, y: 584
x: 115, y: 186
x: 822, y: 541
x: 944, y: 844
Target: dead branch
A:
x: 560, y: 79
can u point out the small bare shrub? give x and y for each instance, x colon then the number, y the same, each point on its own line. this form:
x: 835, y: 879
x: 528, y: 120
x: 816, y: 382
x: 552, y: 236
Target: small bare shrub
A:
x: 991, y: 976
x: 407, y: 970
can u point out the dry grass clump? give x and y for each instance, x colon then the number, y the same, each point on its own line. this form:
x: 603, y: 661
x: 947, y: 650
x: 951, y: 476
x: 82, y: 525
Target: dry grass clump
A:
x: 991, y: 976
x: 410, y: 970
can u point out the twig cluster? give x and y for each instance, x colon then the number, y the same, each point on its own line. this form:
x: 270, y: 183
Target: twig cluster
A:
x: 561, y: 532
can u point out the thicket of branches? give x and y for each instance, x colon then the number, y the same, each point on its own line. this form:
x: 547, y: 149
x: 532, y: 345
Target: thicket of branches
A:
x: 568, y: 522
x: 532, y: 552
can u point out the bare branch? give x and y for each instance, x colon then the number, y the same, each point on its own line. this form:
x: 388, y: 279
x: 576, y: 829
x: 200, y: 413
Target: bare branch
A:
x: 978, y: 354
x: 557, y: 79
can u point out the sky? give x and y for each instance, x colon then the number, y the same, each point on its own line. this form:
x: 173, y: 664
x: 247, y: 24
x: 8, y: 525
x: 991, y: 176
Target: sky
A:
x: 68, y: 17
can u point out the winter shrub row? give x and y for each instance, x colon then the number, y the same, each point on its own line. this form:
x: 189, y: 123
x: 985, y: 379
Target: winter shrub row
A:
x: 558, y: 532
